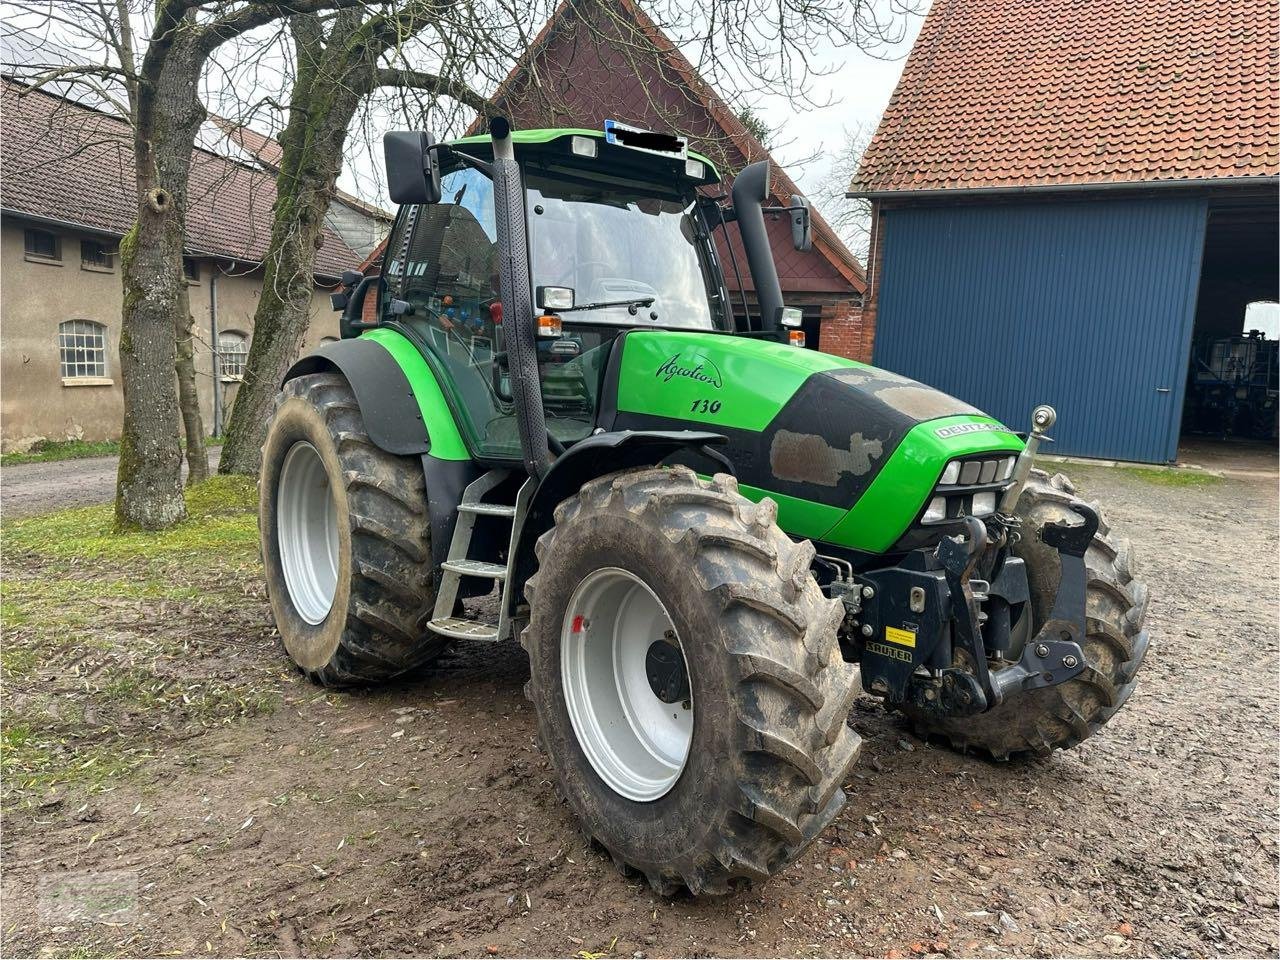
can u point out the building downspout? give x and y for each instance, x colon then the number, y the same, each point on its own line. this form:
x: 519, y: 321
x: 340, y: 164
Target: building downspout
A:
x: 213, y: 349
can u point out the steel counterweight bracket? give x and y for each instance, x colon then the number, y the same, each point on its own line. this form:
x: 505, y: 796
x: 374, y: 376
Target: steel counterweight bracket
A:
x: 959, y: 556
x: 1055, y: 655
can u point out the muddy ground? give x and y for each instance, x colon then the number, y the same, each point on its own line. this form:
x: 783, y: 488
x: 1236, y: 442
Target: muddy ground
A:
x: 229, y: 808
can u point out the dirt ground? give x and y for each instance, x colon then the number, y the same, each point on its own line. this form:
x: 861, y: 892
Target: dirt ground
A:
x: 249, y: 813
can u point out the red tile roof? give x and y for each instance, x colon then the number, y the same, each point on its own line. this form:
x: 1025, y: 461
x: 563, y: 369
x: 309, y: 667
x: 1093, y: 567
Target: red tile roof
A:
x: 591, y: 67
x: 64, y: 162
x: 270, y: 154
x: 997, y: 94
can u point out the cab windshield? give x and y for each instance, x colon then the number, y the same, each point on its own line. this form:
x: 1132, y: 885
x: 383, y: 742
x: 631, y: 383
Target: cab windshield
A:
x: 620, y: 245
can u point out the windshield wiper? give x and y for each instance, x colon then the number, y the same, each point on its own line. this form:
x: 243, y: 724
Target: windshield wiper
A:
x: 632, y: 305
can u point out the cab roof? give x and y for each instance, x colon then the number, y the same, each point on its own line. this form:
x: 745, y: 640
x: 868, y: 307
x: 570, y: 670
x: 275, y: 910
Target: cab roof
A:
x: 560, y: 139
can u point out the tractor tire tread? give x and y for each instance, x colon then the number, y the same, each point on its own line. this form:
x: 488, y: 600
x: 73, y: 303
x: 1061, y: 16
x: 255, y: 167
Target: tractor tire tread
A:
x: 794, y: 747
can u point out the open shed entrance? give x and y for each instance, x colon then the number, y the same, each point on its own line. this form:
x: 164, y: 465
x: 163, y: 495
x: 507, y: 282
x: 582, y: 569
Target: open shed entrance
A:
x: 1233, y: 381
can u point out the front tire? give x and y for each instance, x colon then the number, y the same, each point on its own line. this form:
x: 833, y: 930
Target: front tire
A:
x: 345, y: 540
x: 1037, y: 722
x: 710, y: 574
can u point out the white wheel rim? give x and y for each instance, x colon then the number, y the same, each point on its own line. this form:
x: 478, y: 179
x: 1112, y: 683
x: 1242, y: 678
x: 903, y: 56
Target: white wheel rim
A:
x: 307, y: 529
x: 637, y: 742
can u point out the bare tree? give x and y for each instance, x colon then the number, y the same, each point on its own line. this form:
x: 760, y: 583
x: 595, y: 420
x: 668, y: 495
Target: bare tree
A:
x: 160, y: 80
x: 338, y: 63
x: 849, y: 217
x: 104, y: 68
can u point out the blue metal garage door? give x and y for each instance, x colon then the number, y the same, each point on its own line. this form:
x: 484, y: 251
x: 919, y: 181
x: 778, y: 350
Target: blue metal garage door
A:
x: 1084, y: 305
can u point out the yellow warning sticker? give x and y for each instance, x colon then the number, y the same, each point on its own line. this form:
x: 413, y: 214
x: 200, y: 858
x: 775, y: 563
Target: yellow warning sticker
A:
x: 904, y: 638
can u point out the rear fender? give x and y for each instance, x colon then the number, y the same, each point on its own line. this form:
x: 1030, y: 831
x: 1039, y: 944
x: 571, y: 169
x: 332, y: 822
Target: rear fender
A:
x: 595, y: 456
x: 405, y: 413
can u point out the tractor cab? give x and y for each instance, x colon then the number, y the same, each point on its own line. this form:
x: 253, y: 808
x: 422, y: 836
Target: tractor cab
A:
x: 618, y: 233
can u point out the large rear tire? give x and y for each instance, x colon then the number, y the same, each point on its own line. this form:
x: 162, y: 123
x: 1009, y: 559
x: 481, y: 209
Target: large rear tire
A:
x: 345, y: 540
x: 1040, y: 721
x: 706, y: 578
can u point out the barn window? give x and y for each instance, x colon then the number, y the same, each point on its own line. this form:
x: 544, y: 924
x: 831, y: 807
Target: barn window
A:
x: 233, y: 350
x: 42, y: 245
x: 96, y: 255
x: 191, y: 270
x: 82, y: 350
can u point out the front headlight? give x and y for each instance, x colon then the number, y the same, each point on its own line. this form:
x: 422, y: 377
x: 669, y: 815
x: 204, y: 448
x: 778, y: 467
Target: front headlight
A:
x: 969, y: 488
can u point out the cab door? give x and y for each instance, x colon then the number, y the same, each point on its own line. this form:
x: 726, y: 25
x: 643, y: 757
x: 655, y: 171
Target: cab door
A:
x: 441, y: 267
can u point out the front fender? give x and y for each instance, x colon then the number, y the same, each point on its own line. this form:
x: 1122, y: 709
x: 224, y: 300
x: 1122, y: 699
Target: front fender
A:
x: 595, y: 456
x: 403, y: 407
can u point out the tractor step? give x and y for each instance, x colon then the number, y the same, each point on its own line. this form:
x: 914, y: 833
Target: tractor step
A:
x: 487, y: 509
x: 461, y: 564
x: 463, y: 629
x: 476, y: 568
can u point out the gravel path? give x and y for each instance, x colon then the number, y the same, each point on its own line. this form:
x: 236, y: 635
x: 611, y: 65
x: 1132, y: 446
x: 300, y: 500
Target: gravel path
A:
x: 41, y: 487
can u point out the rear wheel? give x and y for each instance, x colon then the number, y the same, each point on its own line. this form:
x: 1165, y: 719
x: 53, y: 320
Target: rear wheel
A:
x: 687, y: 679
x: 1040, y: 721
x: 345, y: 540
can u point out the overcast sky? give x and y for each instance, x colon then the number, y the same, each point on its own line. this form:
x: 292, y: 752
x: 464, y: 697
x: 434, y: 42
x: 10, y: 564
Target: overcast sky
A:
x: 858, y: 92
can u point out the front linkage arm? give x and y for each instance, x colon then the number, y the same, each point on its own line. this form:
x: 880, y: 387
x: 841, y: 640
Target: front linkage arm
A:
x: 944, y: 600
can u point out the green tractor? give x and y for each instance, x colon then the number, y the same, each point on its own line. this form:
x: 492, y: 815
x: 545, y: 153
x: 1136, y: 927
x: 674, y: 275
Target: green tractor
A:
x: 709, y: 540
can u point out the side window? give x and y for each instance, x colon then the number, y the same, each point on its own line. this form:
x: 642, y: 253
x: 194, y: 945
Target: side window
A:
x: 82, y: 351
x: 451, y: 271
x: 233, y: 352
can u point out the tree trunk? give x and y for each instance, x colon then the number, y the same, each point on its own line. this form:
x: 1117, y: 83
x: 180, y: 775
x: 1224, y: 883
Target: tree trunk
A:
x: 324, y: 99
x: 188, y: 398
x: 149, y: 480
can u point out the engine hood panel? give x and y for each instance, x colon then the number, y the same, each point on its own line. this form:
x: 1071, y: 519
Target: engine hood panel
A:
x: 813, y: 431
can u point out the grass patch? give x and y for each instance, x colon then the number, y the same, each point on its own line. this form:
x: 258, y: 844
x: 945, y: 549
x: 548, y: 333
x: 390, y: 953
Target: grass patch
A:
x: 221, y: 522
x: 47, y: 451
x: 1173, y: 477
x: 116, y: 644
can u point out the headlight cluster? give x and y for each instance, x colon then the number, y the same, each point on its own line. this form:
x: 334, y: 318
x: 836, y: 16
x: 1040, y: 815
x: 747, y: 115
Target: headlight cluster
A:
x: 969, y: 488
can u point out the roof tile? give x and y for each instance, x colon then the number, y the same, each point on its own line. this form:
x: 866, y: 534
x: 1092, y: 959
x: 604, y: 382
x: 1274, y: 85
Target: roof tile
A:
x: 66, y: 162
x: 999, y: 94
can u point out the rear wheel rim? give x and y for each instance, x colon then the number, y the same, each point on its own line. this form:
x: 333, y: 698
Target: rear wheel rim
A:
x: 307, y: 528
x: 625, y: 689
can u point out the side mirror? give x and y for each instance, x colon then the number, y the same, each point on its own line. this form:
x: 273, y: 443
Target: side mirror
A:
x: 801, y: 223
x: 413, y: 167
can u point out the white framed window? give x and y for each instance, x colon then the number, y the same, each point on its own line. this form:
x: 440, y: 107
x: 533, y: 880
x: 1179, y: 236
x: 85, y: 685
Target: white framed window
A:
x: 233, y: 351
x: 82, y: 350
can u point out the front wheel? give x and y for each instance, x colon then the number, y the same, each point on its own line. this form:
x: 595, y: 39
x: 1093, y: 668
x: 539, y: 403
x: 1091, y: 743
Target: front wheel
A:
x: 687, y: 679
x: 1038, y: 722
x: 345, y: 540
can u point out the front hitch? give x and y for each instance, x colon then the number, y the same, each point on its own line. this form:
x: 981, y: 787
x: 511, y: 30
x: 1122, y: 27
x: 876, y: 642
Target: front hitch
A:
x: 927, y: 632
x: 1053, y: 655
